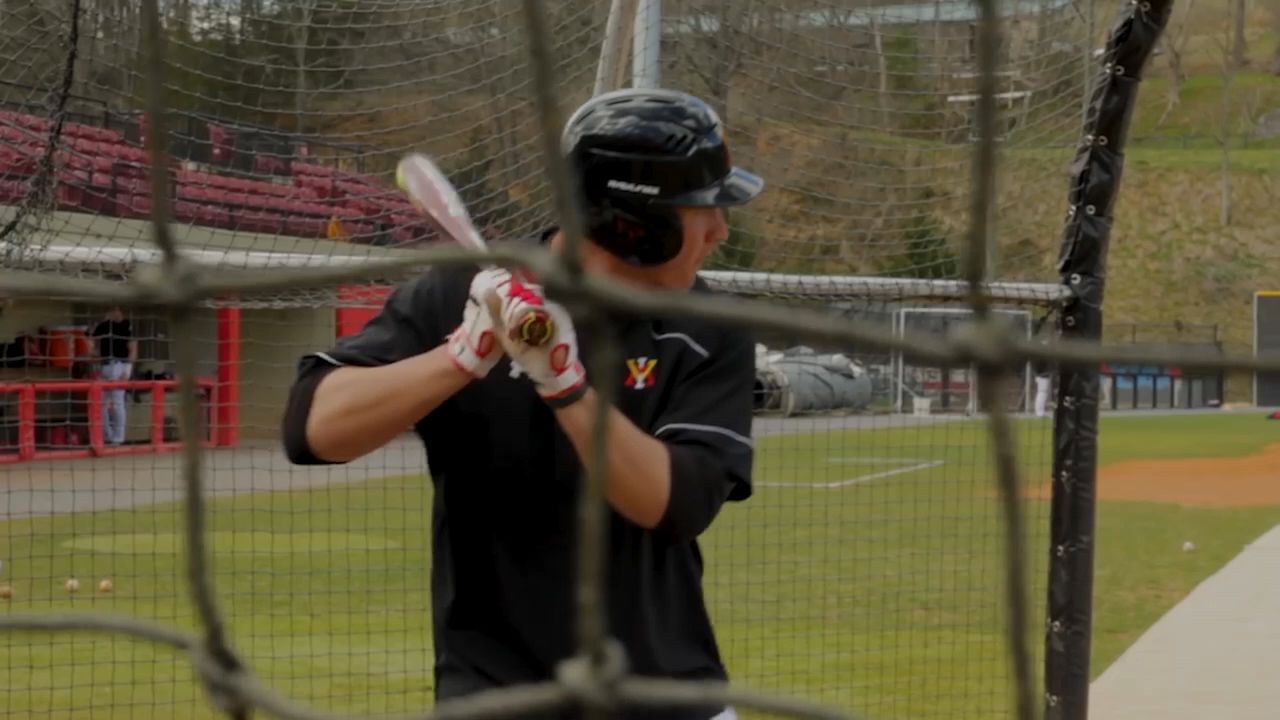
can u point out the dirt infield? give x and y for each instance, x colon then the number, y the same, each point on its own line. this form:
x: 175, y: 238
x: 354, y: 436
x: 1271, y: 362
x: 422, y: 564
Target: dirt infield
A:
x: 1203, y: 482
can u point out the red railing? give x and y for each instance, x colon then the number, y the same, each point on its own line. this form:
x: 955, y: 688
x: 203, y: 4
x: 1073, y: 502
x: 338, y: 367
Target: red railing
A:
x: 29, y: 447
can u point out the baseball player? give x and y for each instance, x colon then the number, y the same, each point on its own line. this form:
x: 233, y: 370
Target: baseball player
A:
x: 506, y: 425
x: 1044, y: 381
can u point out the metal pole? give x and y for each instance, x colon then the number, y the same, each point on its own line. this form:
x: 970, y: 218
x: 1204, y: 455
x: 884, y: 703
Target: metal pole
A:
x: 611, y: 71
x: 900, y: 324
x: 646, y: 49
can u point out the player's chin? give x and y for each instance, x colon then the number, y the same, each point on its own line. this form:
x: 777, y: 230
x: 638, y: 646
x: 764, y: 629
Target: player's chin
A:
x: 684, y: 280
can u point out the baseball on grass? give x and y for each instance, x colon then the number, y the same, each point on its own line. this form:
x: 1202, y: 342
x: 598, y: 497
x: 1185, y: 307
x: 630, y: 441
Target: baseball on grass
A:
x: 6, y: 592
x: 105, y: 585
x: 73, y: 585
x: 1188, y: 546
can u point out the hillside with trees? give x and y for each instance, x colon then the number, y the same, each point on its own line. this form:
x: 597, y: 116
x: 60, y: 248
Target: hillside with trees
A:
x: 856, y: 116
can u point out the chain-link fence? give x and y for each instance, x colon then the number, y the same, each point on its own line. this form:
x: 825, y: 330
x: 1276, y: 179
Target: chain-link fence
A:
x: 596, y: 678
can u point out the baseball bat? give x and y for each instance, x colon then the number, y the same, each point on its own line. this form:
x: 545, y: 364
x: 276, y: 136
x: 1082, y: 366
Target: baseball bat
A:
x: 432, y: 193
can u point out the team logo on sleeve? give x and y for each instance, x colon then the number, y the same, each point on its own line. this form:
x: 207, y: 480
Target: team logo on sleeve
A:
x: 641, y: 372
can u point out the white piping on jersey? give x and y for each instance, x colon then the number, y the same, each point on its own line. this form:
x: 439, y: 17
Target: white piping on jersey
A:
x: 693, y: 345
x: 705, y: 428
x: 327, y: 358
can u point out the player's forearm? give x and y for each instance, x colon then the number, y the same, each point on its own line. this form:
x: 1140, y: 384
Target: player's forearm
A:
x: 356, y: 410
x: 639, y: 485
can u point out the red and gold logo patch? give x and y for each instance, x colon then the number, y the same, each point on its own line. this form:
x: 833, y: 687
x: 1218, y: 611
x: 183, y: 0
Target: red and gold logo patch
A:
x: 640, y: 372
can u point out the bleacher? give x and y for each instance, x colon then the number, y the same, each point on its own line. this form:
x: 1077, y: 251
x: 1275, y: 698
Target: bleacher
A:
x: 101, y: 171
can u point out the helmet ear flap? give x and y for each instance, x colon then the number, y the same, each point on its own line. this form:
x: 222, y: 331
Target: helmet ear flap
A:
x: 646, y: 237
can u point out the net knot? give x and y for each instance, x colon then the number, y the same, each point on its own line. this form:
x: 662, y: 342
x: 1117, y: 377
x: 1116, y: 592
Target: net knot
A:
x: 218, y: 671
x: 593, y: 680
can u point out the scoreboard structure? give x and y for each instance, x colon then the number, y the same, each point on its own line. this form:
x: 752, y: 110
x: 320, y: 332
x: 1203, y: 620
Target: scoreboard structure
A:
x: 1266, y: 338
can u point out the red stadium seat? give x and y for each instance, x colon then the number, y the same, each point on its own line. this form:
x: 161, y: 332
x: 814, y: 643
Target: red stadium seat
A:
x: 359, y: 230
x: 301, y: 168
x: 31, y: 122
x: 241, y: 185
x: 101, y: 172
x: 404, y: 235
x: 13, y: 191
x: 270, y: 165
x: 257, y: 221
x: 15, y: 135
x: 14, y: 162
x: 91, y: 132
x: 63, y: 158
x: 70, y: 197
x: 98, y: 200
x: 197, y: 193
x: 307, y: 227
x: 127, y: 153
x: 201, y: 214
x: 276, y: 189
x: 103, y: 164
x: 319, y: 186
x: 362, y: 207
x: 129, y: 205
x: 303, y: 194
x: 74, y: 176
x: 360, y: 179
x: 133, y: 185
x: 105, y: 181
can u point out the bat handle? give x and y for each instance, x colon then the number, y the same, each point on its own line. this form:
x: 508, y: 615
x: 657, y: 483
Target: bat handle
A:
x: 536, y: 328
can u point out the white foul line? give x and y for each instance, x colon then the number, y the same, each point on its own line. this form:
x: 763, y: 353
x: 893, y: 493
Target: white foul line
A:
x: 857, y: 480
x: 875, y: 460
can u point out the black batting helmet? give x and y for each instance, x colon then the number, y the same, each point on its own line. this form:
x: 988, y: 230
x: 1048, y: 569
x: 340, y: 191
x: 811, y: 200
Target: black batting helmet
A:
x: 639, y: 153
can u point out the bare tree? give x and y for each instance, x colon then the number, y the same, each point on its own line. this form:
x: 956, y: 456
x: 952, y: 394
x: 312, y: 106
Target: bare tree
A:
x: 301, y: 40
x: 719, y: 43
x: 1174, y: 41
x: 1224, y: 134
x: 1239, y: 46
x: 320, y: 62
x: 882, y: 70
x: 1273, y: 9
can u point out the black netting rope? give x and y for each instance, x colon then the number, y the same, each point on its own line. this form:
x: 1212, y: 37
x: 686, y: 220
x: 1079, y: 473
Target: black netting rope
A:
x: 596, y: 678
x: 40, y: 195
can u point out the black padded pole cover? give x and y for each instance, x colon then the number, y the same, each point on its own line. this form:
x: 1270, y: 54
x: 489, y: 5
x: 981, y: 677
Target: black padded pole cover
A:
x: 1096, y: 174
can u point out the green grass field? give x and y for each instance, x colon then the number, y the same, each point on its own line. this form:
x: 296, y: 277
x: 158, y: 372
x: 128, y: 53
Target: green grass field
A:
x: 879, y: 591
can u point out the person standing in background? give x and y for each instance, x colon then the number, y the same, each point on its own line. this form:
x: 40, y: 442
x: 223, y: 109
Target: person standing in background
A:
x: 118, y: 351
x: 1044, y: 382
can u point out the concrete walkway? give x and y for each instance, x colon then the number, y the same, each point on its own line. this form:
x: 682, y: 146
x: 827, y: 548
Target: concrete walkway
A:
x: 1214, y: 655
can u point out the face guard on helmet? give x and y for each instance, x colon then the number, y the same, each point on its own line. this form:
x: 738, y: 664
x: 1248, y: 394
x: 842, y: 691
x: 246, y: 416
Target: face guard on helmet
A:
x: 637, y: 154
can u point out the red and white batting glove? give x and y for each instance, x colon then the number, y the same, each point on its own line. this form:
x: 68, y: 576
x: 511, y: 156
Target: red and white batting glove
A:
x: 473, y: 345
x: 554, y: 367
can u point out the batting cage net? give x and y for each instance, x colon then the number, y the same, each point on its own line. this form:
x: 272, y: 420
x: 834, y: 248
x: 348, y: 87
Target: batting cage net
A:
x: 224, y: 171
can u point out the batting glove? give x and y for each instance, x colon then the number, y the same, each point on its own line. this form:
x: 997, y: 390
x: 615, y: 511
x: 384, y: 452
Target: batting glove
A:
x: 554, y: 367
x: 473, y: 345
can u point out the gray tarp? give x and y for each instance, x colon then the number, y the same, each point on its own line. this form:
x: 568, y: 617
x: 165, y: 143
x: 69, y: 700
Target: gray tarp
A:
x: 799, y: 380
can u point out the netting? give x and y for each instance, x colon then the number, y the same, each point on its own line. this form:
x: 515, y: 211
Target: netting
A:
x: 861, y: 115
x: 870, y: 518
x: 863, y: 572
x: 287, y: 118
x: 868, y: 574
